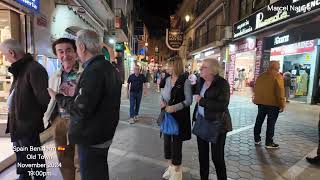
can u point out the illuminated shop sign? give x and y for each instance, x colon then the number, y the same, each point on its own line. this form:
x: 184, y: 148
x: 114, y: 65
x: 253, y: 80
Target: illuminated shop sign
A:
x: 272, y: 14
x: 296, y: 48
x: 30, y: 4
x: 281, y: 39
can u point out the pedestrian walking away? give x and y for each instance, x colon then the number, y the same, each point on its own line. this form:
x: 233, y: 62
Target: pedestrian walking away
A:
x: 136, y: 86
x: 212, y: 118
x: 176, y: 98
x: 270, y: 98
x: 94, y: 108
x: 287, y: 84
x: 27, y: 102
x: 64, y: 81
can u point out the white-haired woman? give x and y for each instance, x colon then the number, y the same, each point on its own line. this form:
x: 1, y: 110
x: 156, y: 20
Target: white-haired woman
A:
x: 211, y: 126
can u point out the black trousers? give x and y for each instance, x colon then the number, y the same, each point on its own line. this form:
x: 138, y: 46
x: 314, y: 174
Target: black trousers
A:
x: 318, y: 152
x: 272, y: 112
x: 93, y: 162
x: 217, y: 155
x: 28, y: 152
x: 173, y: 149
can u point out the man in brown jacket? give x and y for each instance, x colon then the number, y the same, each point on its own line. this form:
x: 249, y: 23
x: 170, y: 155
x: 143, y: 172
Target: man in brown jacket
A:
x: 270, y: 98
x: 27, y: 102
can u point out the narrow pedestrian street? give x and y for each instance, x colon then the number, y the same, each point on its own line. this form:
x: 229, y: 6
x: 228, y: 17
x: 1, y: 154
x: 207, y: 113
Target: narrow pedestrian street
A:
x: 137, y: 150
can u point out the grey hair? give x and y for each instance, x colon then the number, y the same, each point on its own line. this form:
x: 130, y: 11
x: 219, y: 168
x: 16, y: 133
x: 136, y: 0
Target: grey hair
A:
x: 12, y: 44
x: 214, y: 64
x: 90, y: 39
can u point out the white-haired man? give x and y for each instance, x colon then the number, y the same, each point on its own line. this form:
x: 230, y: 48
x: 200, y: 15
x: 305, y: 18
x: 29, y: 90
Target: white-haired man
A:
x: 94, y: 109
x: 27, y: 102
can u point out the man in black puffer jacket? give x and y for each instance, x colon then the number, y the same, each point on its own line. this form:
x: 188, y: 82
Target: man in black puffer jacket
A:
x: 28, y: 100
x: 94, y: 108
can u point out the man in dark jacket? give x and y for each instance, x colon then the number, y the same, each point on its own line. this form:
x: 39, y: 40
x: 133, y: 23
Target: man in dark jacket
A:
x: 94, y: 109
x: 316, y: 160
x: 28, y: 100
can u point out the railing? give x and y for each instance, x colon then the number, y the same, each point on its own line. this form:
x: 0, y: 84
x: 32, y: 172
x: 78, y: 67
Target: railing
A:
x: 214, y: 34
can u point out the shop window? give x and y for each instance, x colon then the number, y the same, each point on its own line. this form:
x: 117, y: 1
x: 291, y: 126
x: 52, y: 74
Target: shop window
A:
x: 215, y: 31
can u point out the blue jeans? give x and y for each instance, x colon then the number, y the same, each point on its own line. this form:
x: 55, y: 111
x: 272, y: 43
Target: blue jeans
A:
x: 93, y: 162
x: 272, y: 112
x: 135, y: 100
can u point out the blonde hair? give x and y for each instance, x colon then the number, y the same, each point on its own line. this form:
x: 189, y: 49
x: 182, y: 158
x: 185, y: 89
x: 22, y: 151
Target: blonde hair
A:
x: 214, y: 65
x: 177, y: 66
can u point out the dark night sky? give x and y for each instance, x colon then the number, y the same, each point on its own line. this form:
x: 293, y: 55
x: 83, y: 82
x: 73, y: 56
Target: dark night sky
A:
x: 156, y: 14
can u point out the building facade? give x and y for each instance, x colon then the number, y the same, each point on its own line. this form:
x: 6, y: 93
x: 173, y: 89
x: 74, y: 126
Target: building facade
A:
x: 285, y: 31
x: 207, y: 30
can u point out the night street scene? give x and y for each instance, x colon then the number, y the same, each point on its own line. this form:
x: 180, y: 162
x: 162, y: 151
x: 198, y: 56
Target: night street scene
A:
x: 159, y: 90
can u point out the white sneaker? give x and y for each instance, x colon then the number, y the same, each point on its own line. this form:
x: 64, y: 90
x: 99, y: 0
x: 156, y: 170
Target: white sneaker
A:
x: 167, y: 174
x: 136, y: 118
x: 131, y: 121
x: 176, y: 175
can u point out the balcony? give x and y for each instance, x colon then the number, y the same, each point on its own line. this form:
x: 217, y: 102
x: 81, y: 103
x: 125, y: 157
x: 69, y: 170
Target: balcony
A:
x: 120, y: 24
x: 215, y: 34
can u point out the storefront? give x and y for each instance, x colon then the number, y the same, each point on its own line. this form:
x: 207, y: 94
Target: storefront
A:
x: 289, y: 36
x: 244, y: 65
x: 300, y: 60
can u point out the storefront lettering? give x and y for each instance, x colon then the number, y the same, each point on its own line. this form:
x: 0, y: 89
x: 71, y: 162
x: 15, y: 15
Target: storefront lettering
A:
x: 246, y: 23
x: 278, y: 17
x: 243, y: 31
x: 280, y: 40
x: 32, y: 4
x: 300, y: 47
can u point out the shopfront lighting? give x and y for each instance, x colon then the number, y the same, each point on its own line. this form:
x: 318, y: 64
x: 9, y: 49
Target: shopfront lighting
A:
x: 208, y: 53
x: 112, y: 41
x: 187, y: 18
x: 146, y: 44
x: 197, y: 56
x: 232, y: 47
x: 250, y: 40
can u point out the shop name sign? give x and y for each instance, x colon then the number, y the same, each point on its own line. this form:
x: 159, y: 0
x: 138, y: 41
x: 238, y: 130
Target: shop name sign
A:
x: 297, y: 48
x: 281, y: 39
x: 272, y: 14
x: 174, y: 39
x: 31, y: 4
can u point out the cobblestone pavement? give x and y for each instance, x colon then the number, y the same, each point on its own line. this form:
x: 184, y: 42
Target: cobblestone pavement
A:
x: 137, y: 150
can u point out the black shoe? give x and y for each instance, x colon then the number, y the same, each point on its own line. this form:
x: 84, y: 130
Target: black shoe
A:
x: 272, y: 146
x: 314, y: 160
